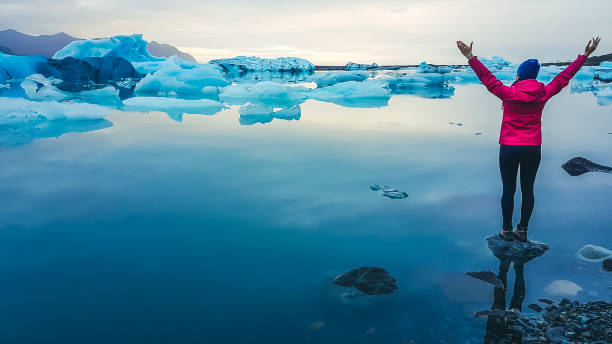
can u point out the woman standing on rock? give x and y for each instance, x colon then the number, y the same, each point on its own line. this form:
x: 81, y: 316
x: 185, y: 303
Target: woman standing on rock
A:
x: 521, y: 137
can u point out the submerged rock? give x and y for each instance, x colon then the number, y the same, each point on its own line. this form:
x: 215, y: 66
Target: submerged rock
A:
x: 515, y: 251
x: 487, y: 276
x: 579, y: 165
x: 607, y: 264
x: 388, y: 191
x: 593, y: 253
x: 370, y: 280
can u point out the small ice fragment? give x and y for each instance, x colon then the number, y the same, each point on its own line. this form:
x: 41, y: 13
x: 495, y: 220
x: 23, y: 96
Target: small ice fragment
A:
x: 388, y: 191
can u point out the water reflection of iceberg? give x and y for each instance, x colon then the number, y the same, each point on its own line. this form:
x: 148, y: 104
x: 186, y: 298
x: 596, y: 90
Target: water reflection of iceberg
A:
x: 13, y: 135
x: 251, y: 114
x: 174, y: 107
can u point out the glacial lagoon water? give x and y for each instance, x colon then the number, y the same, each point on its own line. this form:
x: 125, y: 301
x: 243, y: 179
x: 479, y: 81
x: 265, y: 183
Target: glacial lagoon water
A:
x: 148, y: 230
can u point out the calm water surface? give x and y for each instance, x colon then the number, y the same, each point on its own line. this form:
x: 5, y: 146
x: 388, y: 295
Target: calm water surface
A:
x: 208, y: 231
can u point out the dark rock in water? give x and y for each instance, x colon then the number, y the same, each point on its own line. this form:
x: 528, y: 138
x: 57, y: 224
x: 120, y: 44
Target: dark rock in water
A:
x: 607, y: 264
x: 497, y: 312
x: 388, y: 191
x: 515, y: 251
x: 577, y: 166
x: 546, y: 301
x: 534, y: 307
x: 370, y: 280
x: 487, y: 276
x: 91, y: 73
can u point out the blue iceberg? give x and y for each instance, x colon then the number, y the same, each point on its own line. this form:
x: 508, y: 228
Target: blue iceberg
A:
x: 251, y: 114
x: 425, y: 68
x: 258, y: 64
x: 332, y: 78
x: 357, y: 66
x: 132, y: 48
x: 14, y: 111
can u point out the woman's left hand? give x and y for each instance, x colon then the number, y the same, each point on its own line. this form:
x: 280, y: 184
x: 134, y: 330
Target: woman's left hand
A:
x: 465, y: 49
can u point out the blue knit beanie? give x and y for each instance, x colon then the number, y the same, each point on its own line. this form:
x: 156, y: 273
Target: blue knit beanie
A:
x: 528, y: 69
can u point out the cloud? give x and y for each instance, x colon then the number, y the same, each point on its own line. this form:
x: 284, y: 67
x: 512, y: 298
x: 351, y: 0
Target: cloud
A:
x: 332, y: 31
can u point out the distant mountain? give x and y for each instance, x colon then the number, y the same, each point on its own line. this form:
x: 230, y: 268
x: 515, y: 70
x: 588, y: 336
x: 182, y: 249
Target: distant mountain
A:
x: 18, y: 43
x: 23, y: 44
x: 596, y: 60
x: 167, y: 50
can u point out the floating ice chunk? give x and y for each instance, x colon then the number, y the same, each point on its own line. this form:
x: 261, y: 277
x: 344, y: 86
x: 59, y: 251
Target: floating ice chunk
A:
x: 425, y: 68
x: 132, y: 48
x: 496, y: 62
x: 265, y: 92
x: 258, y: 64
x: 37, y: 87
x: 178, y: 76
x: 369, y: 93
x: 19, y: 111
x: 332, y: 78
x: 19, y: 67
x: 388, y: 191
x: 563, y: 288
x: 357, y: 66
x: 410, y: 81
x: 175, y: 108
x: 251, y: 114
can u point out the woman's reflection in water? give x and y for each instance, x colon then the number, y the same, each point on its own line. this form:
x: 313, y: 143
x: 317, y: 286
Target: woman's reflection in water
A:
x: 502, y: 330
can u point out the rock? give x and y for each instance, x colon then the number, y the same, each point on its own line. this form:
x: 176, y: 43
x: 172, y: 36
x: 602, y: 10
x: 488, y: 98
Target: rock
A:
x: 546, y: 301
x: 487, y: 276
x: 579, y: 165
x: 515, y: 251
x: 370, y: 280
x: 607, y: 264
x: 556, y: 334
x: 388, y: 191
x: 534, y: 307
x: 593, y: 253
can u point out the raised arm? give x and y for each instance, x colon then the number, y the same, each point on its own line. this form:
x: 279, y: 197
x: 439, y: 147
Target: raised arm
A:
x: 563, y: 79
x: 493, y: 84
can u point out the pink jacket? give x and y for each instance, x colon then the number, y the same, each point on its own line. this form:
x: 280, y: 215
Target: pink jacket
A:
x: 524, y: 102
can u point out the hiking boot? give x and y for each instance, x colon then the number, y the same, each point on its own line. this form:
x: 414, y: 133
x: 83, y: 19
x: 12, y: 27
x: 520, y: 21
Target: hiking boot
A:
x: 506, y: 234
x: 521, y: 234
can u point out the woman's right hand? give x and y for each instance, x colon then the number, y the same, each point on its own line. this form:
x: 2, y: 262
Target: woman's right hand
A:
x: 591, y: 46
x: 465, y: 49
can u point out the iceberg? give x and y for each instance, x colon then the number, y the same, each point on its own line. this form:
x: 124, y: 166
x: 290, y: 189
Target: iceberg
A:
x: 37, y: 87
x: 251, y: 114
x: 20, y: 111
x: 258, y: 64
x: 265, y: 92
x: 425, y: 68
x: 19, y: 67
x: 132, y: 48
x: 369, y: 93
x: 496, y: 62
x: 357, y: 66
x: 177, y: 76
x: 174, y: 107
x: 332, y: 78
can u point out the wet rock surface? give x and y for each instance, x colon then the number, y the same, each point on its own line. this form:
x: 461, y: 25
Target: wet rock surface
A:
x: 369, y: 280
x: 515, y: 251
x: 569, y: 321
x: 579, y: 165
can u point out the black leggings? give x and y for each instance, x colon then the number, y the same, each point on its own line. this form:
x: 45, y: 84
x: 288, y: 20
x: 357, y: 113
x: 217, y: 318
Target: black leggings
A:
x: 510, y: 158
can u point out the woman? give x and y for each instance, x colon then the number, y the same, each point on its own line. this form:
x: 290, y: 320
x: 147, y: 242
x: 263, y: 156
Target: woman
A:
x: 521, y: 137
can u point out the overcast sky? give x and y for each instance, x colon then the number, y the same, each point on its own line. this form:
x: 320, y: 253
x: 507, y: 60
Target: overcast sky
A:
x: 332, y: 31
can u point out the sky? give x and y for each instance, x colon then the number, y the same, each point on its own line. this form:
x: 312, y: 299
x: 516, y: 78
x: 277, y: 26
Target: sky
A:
x: 332, y: 32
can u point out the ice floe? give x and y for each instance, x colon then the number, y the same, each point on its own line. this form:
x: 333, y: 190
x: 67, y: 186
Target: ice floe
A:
x: 251, y: 114
x: 177, y: 76
x: 425, y: 68
x: 332, y: 78
x: 132, y: 48
x: 368, y: 93
x: 359, y: 66
x: 258, y: 64
x: 37, y: 87
x: 265, y: 92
